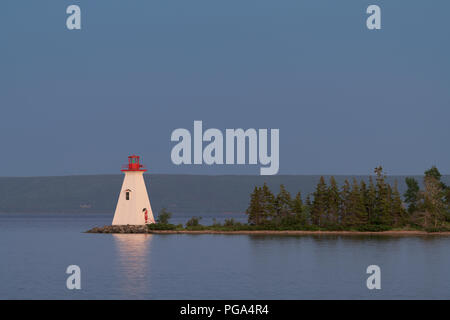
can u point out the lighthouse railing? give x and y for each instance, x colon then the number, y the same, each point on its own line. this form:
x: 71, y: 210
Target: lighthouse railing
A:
x: 129, y: 167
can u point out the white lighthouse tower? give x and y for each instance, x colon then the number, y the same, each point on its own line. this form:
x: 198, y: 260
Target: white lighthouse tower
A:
x: 133, y: 206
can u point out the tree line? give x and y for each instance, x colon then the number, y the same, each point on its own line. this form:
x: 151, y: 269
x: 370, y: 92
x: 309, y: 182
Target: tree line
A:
x: 372, y: 206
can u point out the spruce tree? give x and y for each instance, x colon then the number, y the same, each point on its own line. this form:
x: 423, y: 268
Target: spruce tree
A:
x: 445, y: 190
x: 283, y: 202
x: 363, y: 189
x: 433, y: 172
x: 387, y: 218
x: 334, y: 202
x: 447, y: 201
x: 370, y: 201
x: 362, y: 217
x: 346, y: 205
x: 307, y: 209
x: 297, y: 204
x: 297, y: 208
x: 382, y: 202
x: 364, y: 193
x: 308, y: 201
x: 434, y: 203
x: 356, y: 210
x: 398, y: 212
x: 255, y: 210
x: 412, y: 194
x: 268, y: 203
x: 319, y: 205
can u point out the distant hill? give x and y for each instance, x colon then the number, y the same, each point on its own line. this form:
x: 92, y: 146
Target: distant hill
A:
x: 178, y: 193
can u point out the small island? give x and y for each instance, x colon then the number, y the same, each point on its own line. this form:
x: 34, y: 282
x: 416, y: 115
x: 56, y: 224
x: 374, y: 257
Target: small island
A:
x: 375, y: 207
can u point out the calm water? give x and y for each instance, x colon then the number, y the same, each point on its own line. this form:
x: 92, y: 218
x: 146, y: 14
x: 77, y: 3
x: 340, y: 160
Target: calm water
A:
x: 35, y: 250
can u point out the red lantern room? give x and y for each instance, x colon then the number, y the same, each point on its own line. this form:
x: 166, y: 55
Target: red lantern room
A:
x: 133, y: 164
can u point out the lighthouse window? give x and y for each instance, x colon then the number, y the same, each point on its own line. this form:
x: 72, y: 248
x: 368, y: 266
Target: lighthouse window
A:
x: 127, y: 195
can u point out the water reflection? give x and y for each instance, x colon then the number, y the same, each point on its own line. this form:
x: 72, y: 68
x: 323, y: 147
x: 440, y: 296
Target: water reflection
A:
x: 133, y: 263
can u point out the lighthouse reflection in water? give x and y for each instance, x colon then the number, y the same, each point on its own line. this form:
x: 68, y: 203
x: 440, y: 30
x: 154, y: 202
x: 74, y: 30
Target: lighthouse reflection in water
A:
x: 133, y: 251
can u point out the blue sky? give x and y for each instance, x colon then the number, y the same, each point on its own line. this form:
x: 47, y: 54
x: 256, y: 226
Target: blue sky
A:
x: 345, y: 99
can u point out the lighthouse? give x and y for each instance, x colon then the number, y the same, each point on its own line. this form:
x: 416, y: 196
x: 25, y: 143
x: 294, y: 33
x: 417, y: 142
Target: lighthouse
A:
x: 133, y: 206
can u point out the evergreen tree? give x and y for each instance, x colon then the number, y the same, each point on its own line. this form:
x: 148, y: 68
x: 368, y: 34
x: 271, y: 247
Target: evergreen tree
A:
x: 334, y: 202
x: 308, y: 208
x: 363, y: 189
x: 308, y: 201
x: 297, y: 204
x: 412, y: 194
x: 370, y: 199
x: 444, y: 194
x: 398, y: 212
x: 362, y: 217
x: 356, y: 210
x: 268, y: 203
x: 319, y: 205
x: 283, y: 202
x: 299, y: 210
x: 447, y: 201
x: 346, y: 205
x: 434, y: 203
x: 255, y: 211
x: 382, y: 203
x: 364, y: 193
x: 387, y: 219
x: 433, y: 172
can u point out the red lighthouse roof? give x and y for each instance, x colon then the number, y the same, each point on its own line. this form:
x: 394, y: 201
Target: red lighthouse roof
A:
x: 133, y: 164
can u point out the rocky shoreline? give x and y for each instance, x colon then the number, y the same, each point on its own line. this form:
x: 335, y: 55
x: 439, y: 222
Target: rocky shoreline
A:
x: 120, y: 229
x: 140, y: 229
